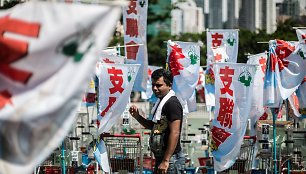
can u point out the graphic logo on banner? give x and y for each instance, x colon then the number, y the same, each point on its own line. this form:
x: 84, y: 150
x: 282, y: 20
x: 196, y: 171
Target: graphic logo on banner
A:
x: 245, y: 77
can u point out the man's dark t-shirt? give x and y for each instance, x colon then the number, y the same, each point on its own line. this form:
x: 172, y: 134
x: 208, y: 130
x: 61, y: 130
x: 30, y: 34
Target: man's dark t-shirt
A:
x: 173, y: 110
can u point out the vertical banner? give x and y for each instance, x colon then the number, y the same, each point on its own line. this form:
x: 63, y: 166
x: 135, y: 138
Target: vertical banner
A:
x: 48, y: 51
x: 234, y: 86
x: 184, y: 63
x: 222, y: 46
x: 115, y: 86
x: 227, y: 40
x: 258, y: 109
x: 286, y: 71
x: 135, y: 27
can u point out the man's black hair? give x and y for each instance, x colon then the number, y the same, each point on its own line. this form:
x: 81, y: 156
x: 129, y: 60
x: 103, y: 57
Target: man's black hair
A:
x: 168, y: 78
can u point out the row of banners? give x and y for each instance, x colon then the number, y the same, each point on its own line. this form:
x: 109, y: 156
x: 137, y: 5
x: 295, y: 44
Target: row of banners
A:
x: 44, y: 68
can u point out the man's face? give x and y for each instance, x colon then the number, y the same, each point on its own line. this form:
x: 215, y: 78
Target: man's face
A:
x: 160, y: 88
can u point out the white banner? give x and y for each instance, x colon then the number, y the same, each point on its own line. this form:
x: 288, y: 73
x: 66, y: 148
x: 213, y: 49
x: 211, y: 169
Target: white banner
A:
x: 48, y: 51
x: 115, y: 86
x: 226, y: 39
x: 184, y: 63
x: 234, y: 86
x: 135, y: 34
x: 258, y: 108
x: 285, y: 72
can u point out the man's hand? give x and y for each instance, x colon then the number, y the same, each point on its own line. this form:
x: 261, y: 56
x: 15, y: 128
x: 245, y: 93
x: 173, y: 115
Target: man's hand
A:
x: 163, y: 167
x: 134, y: 111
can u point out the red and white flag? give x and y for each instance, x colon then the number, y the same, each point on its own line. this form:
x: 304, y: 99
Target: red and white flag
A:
x: 184, y: 63
x: 234, y: 86
x: 48, y: 51
x: 285, y: 71
x: 135, y: 34
x: 115, y: 86
x: 227, y: 39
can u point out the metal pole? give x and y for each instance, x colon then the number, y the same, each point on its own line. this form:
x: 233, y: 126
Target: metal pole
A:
x: 274, y: 140
x: 63, y: 157
x: 287, y: 137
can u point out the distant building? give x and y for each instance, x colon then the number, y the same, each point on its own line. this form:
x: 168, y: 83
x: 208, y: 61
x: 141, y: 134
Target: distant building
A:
x: 258, y: 14
x: 290, y: 8
x: 233, y: 7
x: 216, y: 14
x: 187, y: 18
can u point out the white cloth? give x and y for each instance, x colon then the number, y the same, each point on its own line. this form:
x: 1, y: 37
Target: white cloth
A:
x: 159, y: 106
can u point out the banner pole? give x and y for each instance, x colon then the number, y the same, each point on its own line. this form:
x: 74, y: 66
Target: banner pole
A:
x: 63, y: 157
x: 274, y: 140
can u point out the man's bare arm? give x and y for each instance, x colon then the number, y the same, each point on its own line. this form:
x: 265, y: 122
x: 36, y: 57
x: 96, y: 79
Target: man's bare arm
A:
x: 148, y: 124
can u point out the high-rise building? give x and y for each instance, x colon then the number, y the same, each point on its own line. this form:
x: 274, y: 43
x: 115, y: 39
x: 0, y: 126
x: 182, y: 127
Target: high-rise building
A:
x: 258, y: 14
x: 216, y: 14
x: 187, y: 18
x: 290, y: 8
x: 233, y: 7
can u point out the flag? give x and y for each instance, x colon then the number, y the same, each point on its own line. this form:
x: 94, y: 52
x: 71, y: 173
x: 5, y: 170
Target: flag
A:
x: 234, y: 84
x: 48, y: 51
x: 285, y: 72
x: 115, y: 86
x: 101, y: 156
x: 301, y: 35
x: 89, y: 98
x: 184, y: 64
x: 226, y: 39
x: 135, y: 25
x: 297, y: 101
x: 107, y: 58
x: 258, y: 109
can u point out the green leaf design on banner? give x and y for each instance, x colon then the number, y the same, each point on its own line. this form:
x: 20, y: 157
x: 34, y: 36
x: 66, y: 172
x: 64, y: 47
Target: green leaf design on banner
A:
x: 245, y: 78
x: 193, y: 56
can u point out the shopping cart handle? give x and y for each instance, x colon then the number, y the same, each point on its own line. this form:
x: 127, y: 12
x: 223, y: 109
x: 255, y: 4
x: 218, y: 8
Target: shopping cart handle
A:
x: 250, y: 137
x: 191, y: 135
x: 185, y: 141
x: 263, y: 141
x: 288, y: 141
x: 121, y: 135
x: 74, y: 138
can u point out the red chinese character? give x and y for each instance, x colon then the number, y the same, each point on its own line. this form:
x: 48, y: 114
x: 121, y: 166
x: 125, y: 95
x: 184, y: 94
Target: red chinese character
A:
x: 116, y: 79
x: 12, y: 50
x: 131, y: 27
x: 107, y: 60
x: 304, y: 37
x: 283, y: 50
x: 175, y: 55
x: 219, y: 135
x: 216, y: 39
x: 131, y: 51
x: 218, y: 57
x: 111, y: 101
x: 5, y: 98
x: 225, y: 75
x: 132, y: 7
x: 263, y: 64
x: 226, y: 112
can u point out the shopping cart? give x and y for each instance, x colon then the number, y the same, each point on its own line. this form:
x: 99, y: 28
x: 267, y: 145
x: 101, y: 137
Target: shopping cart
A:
x: 124, y: 152
x: 243, y: 163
